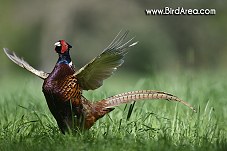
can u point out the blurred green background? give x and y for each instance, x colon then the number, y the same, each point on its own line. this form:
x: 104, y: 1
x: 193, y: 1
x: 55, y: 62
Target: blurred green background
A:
x: 170, y: 43
x: 183, y: 55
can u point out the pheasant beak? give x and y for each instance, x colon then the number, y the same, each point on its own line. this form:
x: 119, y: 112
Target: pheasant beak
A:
x: 57, y: 44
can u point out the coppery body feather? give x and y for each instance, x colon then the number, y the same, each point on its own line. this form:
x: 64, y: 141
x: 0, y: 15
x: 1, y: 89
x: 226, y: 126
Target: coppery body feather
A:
x: 63, y: 87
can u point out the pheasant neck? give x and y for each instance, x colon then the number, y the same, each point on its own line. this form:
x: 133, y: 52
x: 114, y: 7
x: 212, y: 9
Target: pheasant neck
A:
x: 64, y: 58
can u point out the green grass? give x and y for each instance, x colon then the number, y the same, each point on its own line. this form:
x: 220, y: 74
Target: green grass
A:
x: 27, y: 124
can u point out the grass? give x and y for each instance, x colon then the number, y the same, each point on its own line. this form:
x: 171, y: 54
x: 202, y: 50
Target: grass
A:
x: 27, y: 124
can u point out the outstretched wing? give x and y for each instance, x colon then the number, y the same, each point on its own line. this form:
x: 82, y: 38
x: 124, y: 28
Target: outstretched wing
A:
x: 20, y: 62
x: 91, y: 76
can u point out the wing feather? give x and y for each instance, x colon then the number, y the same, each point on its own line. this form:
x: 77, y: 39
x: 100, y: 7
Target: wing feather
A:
x: 91, y: 76
x: 20, y: 62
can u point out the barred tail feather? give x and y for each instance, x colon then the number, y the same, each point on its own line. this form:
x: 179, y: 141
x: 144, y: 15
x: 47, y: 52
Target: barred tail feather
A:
x: 142, y: 95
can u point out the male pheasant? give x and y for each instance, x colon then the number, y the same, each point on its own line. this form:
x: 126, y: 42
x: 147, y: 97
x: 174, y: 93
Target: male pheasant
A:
x: 63, y: 87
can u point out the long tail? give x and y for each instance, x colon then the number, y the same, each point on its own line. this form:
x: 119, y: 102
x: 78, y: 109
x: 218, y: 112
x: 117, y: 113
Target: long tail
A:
x: 20, y: 62
x: 142, y: 95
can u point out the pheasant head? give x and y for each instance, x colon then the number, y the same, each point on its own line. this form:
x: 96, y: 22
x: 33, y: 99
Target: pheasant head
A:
x: 62, y: 48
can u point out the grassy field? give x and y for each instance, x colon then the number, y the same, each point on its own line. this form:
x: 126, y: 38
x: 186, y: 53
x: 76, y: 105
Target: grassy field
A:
x: 27, y: 124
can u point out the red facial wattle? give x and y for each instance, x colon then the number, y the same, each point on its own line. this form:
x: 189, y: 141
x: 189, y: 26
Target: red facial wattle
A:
x: 64, y: 46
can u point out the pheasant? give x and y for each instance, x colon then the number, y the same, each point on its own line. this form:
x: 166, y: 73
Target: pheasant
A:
x: 63, y: 87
